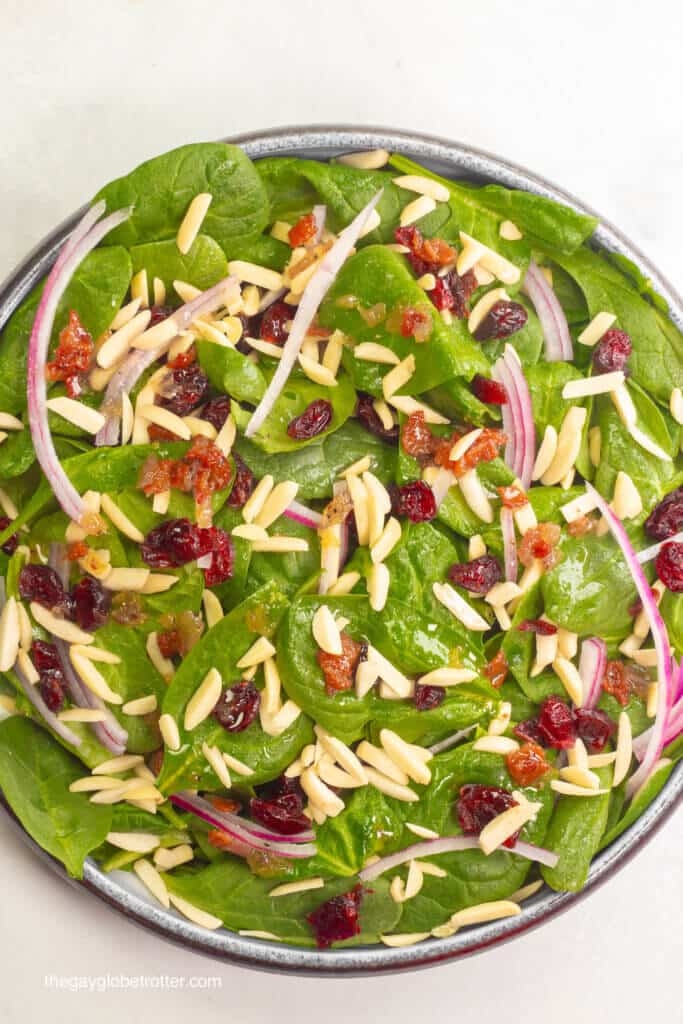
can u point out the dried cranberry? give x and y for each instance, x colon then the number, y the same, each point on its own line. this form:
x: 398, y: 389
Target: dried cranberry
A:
x: 174, y: 543
x: 485, y: 448
x: 217, y: 411
x: 669, y: 566
x: 612, y: 351
x: 315, y: 418
x: 556, y: 723
x: 477, y: 805
x: 337, y: 918
x: 594, y: 728
x: 414, y: 501
x: 477, y: 576
x: 91, y: 603
x: 185, y: 390
x: 539, y: 626
x: 72, y: 357
x: 427, y: 697
x: 281, y: 786
x: 10, y: 545
x: 223, y: 557
x: 502, y: 320
x: 666, y: 519
x: 371, y: 421
x: 488, y: 391
x: 157, y: 314
x: 416, y: 437
x: 243, y: 484
x: 42, y: 584
x: 416, y: 323
x: 540, y: 542
x: 52, y: 690
x: 528, y: 730
x: 283, y: 813
x: 453, y: 292
x: 527, y: 764
x: 238, y: 706
x: 273, y: 323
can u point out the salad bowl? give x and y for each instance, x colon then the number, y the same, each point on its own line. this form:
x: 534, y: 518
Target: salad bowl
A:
x: 122, y: 890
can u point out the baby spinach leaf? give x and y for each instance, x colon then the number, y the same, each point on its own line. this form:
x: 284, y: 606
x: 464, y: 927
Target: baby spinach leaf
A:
x: 289, y: 571
x: 574, y: 833
x: 378, y: 275
x: 671, y: 608
x: 527, y: 342
x: 204, y: 265
x: 16, y: 454
x: 221, y: 648
x: 297, y: 395
x: 639, y: 804
x: 546, y: 381
x: 160, y: 191
x: 454, y: 399
x: 35, y: 775
x: 590, y: 591
x: 96, y: 292
x: 657, y: 359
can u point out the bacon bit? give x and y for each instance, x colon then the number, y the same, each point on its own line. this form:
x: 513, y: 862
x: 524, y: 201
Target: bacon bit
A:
x: 527, y: 764
x: 622, y: 681
x: 426, y: 254
x: 225, y: 805
x: 223, y: 841
x: 340, y: 669
x: 453, y: 292
x: 581, y: 526
x: 496, y: 670
x: 539, y: 626
x: 73, y: 356
x: 337, y: 509
x: 512, y: 497
x: 157, y: 433
x: 183, y: 359
x: 416, y: 323
x: 203, y: 470
x: 303, y: 231
x: 484, y: 449
x: 540, y: 542
x: 416, y: 437
x: 155, y: 475
x: 78, y: 549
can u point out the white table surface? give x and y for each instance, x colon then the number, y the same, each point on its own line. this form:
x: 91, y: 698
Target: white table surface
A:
x: 585, y: 93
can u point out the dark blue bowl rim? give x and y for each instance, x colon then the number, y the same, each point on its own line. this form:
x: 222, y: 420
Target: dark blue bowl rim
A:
x: 453, y: 159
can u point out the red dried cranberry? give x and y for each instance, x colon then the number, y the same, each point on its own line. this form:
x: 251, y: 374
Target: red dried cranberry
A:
x: 666, y: 519
x: 174, y: 543
x: 453, y: 292
x: 669, y: 566
x: 488, y: 391
x: 217, y: 411
x: 281, y: 786
x: 414, y: 501
x: 223, y: 557
x: 186, y: 389
x: 477, y: 576
x: 502, y: 320
x: 45, y: 657
x: 337, y: 918
x: 52, y: 690
x: 594, y: 728
x: 612, y: 351
x: 283, y: 814
x: 427, y: 697
x: 243, y: 485
x: 91, y: 603
x: 528, y: 730
x: 273, y: 323
x: 477, y: 805
x: 556, y: 723
x: 42, y: 584
x: 10, y: 545
x: 315, y: 418
x: 371, y: 421
x: 238, y: 706
x: 157, y: 314
x: 539, y: 626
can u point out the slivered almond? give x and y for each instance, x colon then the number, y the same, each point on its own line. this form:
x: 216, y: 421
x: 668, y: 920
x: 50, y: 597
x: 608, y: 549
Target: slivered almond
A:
x: 408, y: 405
x: 316, y: 372
x: 158, y: 583
x: 359, y: 497
x: 502, y: 593
x: 257, y: 500
x: 122, y: 763
x: 546, y: 453
x: 281, y: 544
x: 213, y: 611
x: 482, y: 912
x: 237, y: 766
x: 93, y: 678
x: 397, y: 378
x: 192, y: 221
x: 200, y: 428
x: 570, y: 789
x: 326, y: 632
x: 567, y: 643
x: 265, y: 347
x: 333, y: 353
x: 278, y: 723
x: 166, y: 419
x: 389, y: 787
x: 10, y: 634
x: 387, y: 541
x: 260, y: 651
x: 158, y: 291
x: 423, y: 833
x: 447, y: 677
x: 270, y: 698
x: 336, y: 777
x: 61, y: 628
x: 271, y: 280
x: 160, y: 502
x: 484, y: 306
x: 367, y: 160
x: 151, y: 878
x: 600, y: 323
x: 601, y: 384
x: 509, y: 231
x: 344, y: 585
x: 546, y: 653
x: 463, y: 444
x: 405, y: 757
x: 120, y: 520
x: 423, y: 186
x: 226, y: 436
x: 290, y: 888
x: 93, y: 653
x: 525, y: 518
x: 398, y: 941
x: 380, y: 760
x: 370, y: 351
x: 594, y: 445
x: 10, y: 422
x: 450, y: 599
x: 626, y: 501
x: 320, y: 794
x: 474, y: 251
x: 505, y: 825
x: 475, y: 496
x: 134, y: 842
x: 169, y: 732
x: 163, y: 665
x: 476, y: 547
x: 82, y: 416
x: 167, y: 859
x: 676, y: 405
x: 578, y: 507
x: 250, y: 531
x: 194, y: 914
x: 139, y: 289
x: 651, y: 699
x: 140, y: 706
x: 124, y: 315
x: 117, y: 344
x: 568, y: 446
x: 416, y: 209
x: 342, y: 754
x: 569, y: 676
x: 126, y: 579
x: 647, y: 444
x: 378, y: 506
x: 279, y: 499
x: 217, y: 764
x: 580, y: 777
x: 502, y: 745
x: 385, y: 414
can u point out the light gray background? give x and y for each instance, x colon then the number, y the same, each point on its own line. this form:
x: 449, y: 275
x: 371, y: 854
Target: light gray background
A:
x: 587, y: 94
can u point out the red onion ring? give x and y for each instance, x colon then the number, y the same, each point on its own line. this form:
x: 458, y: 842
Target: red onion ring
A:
x: 32, y: 693
x: 84, y: 239
x: 592, y: 664
x: 237, y: 828
x: 303, y: 515
x: 507, y: 525
x: 518, y: 417
x: 123, y: 381
x: 661, y: 642
x: 556, y: 337
x: 314, y: 293
x: 319, y: 215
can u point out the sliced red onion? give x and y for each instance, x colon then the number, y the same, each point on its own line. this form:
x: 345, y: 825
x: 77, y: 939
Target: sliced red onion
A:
x: 674, y: 727
x: 592, y: 665
x: 319, y: 215
x: 251, y: 827
x: 518, y: 416
x: 84, y: 239
x: 450, y: 844
x: 661, y: 642
x: 206, y: 302
x: 122, y: 382
x: 32, y: 693
x: 109, y: 732
x: 647, y: 554
x: 452, y: 741
x: 507, y: 525
x: 441, y: 485
x: 556, y: 336
x: 305, y: 516
x: 314, y: 293
x: 237, y: 829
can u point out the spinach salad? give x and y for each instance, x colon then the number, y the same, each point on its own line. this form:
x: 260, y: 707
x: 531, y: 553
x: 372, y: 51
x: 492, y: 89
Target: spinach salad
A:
x: 341, y: 546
